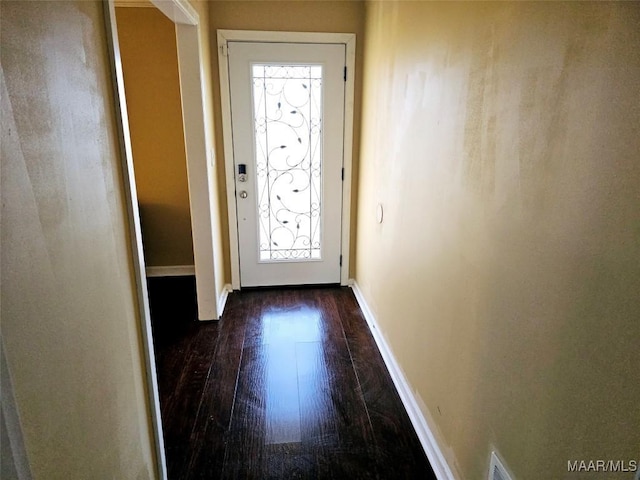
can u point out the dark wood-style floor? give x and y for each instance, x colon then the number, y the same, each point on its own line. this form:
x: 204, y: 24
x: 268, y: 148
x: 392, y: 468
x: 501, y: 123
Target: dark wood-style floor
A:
x: 289, y: 384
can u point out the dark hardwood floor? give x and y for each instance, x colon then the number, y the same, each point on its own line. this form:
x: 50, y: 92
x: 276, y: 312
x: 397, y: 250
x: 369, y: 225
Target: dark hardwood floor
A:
x: 289, y: 384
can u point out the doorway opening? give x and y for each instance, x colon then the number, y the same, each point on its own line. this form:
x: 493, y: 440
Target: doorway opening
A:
x: 287, y: 114
x: 200, y: 181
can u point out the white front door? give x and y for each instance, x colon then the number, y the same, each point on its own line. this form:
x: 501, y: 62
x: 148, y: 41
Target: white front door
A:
x: 287, y: 110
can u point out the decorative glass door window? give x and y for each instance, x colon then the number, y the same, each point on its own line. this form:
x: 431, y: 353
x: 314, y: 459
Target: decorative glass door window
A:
x: 287, y: 103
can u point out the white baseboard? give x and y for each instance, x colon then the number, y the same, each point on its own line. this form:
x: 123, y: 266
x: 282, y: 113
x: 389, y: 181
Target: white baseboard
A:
x: 222, y: 299
x: 171, y: 271
x: 133, y: 3
x: 427, y: 439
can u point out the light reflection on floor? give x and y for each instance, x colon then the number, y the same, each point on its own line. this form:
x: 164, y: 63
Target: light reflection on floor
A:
x: 295, y: 372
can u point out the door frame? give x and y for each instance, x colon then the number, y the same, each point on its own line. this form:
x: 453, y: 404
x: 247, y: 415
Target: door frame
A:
x: 198, y: 144
x: 211, y: 292
x: 347, y: 39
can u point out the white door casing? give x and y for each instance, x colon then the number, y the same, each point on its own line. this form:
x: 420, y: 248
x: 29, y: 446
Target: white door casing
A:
x: 332, y: 52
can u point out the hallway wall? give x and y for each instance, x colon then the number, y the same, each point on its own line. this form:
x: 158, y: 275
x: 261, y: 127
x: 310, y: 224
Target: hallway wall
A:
x: 150, y: 64
x: 69, y: 310
x: 502, y: 141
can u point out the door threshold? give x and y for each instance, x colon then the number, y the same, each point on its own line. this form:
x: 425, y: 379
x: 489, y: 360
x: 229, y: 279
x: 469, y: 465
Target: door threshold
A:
x: 291, y: 287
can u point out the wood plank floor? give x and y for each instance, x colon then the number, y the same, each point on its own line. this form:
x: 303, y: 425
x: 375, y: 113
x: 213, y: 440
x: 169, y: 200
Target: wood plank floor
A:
x: 289, y: 384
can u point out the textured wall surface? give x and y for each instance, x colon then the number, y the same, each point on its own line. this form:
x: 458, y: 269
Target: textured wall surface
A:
x: 69, y: 313
x: 502, y: 140
x: 152, y: 85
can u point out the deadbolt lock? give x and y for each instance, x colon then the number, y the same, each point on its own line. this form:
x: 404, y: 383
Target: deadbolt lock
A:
x: 242, y: 172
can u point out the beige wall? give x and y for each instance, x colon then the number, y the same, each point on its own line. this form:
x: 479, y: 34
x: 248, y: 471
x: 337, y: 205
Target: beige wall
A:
x: 292, y: 16
x: 152, y: 85
x: 502, y: 140
x: 69, y: 320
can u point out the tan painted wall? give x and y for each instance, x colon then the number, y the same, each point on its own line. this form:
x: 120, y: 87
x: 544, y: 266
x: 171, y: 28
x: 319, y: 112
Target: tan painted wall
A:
x: 292, y: 16
x: 152, y: 85
x: 502, y: 140
x: 69, y: 320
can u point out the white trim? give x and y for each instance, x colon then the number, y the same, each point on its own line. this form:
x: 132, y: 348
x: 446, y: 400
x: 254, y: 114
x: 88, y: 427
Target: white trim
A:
x: 349, y: 40
x: 225, y: 98
x: 427, y: 439
x: 171, y: 271
x: 283, y: 37
x: 135, y: 230
x: 133, y: 4
x: 347, y: 158
x: 179, y: 12
x: 222, y: 299
x: 199, y: 169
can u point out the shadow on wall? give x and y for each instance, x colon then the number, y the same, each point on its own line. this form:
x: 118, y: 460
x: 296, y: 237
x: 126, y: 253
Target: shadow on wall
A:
x: 167, y: 225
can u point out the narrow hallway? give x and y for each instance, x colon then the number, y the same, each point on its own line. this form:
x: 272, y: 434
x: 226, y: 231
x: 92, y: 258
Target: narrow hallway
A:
x: 289, y: 384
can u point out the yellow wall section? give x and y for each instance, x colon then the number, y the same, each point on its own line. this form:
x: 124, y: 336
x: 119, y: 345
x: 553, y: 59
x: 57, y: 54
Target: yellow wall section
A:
x: 502, y: 140
x: 150, y: 65
x: 69, y: 314
x: 291, y: 16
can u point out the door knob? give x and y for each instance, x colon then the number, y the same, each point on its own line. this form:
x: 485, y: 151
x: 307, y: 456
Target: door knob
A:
x: 243, y: 194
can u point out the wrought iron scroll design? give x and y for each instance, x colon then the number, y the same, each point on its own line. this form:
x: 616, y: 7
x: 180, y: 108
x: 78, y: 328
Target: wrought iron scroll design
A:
x: 287, y: 102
